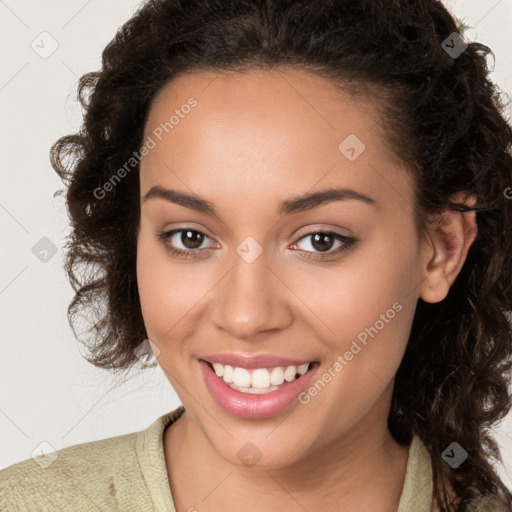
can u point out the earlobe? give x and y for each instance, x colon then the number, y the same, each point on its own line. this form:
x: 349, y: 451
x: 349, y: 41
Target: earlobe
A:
x: 446, y: 250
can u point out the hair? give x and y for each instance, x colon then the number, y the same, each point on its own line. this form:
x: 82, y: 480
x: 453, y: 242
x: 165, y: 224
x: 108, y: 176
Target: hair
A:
x: 441, y: 115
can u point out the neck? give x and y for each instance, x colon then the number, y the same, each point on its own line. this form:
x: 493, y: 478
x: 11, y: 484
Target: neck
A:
x: 364, y: 470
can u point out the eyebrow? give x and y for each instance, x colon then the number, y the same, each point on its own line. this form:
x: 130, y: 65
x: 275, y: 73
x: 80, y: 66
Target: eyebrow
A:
x: 304, y: 202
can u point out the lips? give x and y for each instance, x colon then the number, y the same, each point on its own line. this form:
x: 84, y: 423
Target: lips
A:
x: 255, y: 406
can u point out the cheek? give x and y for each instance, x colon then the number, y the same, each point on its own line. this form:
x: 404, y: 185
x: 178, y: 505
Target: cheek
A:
x: 166, y: 291
x: 366, y: 305
x: 366, y: 308
x: 171, y: 294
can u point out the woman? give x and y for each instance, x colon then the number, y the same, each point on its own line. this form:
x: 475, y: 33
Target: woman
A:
x: 303, y: 205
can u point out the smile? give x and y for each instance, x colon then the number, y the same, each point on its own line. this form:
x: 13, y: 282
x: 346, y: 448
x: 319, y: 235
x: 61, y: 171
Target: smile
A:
x: 260, y: 380
x: 257, y: 392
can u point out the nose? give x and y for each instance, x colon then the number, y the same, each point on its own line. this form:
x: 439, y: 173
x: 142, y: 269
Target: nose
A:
x: 252, y: 299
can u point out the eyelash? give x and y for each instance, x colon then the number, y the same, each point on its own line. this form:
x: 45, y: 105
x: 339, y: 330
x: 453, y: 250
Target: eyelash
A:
x: 348, y: 242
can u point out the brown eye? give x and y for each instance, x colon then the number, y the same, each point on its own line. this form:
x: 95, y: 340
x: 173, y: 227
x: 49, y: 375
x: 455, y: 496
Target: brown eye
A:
x: 184, y: 243
x: 192, y: 239
x: 322, y: 241
x: 324, y: 244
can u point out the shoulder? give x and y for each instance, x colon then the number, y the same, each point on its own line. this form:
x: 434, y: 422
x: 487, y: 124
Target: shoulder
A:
x: 109, y: 474
x: 418, y: 486
x: 84, y: 473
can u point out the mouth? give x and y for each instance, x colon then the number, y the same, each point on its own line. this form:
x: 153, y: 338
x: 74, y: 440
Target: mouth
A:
x: 259, y: 380
x: 256, y: 393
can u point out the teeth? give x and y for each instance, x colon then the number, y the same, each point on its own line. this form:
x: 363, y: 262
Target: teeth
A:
x: 290, y: 372
x: 254, y: 391
x: 241, y: 377
x: 260, y: 380
x: 228, y: 374
x: 302, y: 369
x: 277, y: 377
x: 219, y: 369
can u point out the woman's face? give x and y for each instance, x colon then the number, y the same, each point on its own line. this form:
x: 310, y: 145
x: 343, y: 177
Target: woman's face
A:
x: 257, y: 282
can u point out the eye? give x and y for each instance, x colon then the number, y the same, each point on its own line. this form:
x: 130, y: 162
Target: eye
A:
x: 321, y: 244
x: 187, y: 243
x: 190, y: 241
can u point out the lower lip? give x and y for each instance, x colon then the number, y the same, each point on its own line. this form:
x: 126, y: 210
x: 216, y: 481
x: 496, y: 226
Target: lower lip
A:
x: 249, y: 406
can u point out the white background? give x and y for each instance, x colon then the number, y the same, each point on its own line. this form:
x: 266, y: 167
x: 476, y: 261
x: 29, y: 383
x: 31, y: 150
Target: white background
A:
x: 48, y: 392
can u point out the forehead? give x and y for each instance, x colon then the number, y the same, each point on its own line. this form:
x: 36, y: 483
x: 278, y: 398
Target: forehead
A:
x: 265, y: 130
x: 276, y: 96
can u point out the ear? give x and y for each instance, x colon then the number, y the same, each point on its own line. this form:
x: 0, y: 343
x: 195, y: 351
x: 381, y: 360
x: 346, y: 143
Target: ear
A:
x: 446, y: 248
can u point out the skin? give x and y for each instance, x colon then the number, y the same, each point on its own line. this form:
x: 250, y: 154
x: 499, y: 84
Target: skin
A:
x: 254, y: 140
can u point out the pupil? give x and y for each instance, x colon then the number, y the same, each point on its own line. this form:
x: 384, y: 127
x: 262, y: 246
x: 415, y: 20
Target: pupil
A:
x: 192, y: 239
x: 321, y: 241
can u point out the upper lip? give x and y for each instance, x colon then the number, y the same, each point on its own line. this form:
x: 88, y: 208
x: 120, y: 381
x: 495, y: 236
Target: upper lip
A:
x: 252, y: 361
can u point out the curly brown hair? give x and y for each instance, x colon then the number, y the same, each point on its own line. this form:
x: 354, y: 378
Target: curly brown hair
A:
x: 443, y: 117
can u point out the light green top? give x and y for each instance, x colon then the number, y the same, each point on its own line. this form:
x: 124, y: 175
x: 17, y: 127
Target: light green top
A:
x: 128, y: 473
